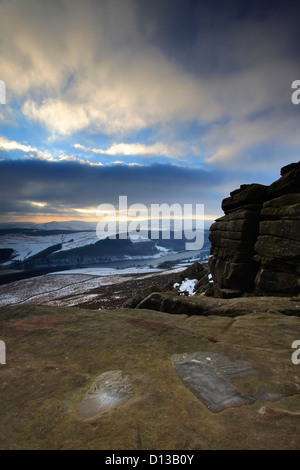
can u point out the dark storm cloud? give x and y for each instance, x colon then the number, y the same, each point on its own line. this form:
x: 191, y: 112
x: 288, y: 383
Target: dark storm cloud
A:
x: 75, y: 185
x: 214, y: 31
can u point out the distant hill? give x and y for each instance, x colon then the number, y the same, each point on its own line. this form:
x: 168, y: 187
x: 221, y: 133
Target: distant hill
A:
x: 61, y: 245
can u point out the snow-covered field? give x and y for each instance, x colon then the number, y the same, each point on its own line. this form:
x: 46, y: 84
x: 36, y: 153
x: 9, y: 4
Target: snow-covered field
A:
x: 25, y: 246
x: 75, y: 287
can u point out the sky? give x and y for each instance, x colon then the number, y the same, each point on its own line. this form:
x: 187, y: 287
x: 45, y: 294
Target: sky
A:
x: 164, y: 101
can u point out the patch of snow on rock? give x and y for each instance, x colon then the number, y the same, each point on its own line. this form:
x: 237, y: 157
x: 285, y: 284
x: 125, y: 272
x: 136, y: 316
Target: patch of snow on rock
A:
x: 187, y: 285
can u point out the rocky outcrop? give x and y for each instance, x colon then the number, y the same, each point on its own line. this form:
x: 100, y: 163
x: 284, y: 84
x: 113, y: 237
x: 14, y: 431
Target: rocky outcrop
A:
x: 278, y: 246
x: 256, y: 244
x: 233, y: 237
x: 139, y: 296
x: 197, y: 273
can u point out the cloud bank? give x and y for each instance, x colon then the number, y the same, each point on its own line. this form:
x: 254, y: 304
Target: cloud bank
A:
x: 68, y: 186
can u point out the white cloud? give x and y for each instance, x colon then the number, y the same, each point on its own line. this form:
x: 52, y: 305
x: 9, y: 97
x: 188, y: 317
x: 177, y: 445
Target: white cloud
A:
x: 58, y: 116
x: 12, y: 145
x: 174, y: 150
x: 8, y: 145
x: 130, y: 97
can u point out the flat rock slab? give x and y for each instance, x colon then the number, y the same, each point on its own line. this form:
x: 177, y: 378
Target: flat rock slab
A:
x: 54, y: 354
x: 110, y: 389
x: 210, y: 378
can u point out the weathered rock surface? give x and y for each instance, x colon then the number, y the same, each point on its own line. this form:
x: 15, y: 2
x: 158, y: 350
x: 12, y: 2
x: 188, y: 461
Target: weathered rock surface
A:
x: 244, y: 196
x: 194, y: 271
x: 54, y: 354
x: 231, y: 307
x: 278, y: 245
x: 256, y: 245
x: 140, y: 295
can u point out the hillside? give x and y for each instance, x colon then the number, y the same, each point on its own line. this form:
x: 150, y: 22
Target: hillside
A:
x: 27, y: 248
